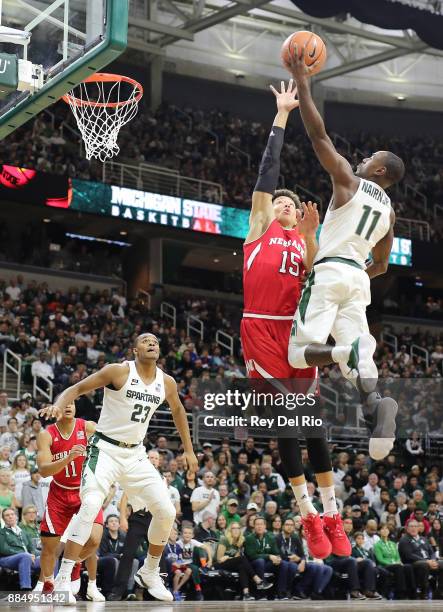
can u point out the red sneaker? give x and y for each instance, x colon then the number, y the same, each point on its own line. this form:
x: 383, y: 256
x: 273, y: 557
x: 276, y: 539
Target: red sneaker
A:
x: 48, y: 587
x: 318, y: 543
x: 333, y: 526
x: 76, y: 570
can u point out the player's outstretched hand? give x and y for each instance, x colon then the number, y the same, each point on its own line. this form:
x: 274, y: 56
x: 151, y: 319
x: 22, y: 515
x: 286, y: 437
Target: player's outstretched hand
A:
x: 308, y: 219
x: 50, y: 411
x: 299, y: 69
x: 191, y: 461
x: 286, y: 98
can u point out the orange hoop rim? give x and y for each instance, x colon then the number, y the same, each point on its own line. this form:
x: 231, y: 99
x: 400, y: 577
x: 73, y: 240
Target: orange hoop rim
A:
x: 106, y: 77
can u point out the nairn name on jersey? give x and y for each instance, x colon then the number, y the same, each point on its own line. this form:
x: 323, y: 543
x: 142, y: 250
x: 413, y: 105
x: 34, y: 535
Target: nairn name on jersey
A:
x: 351, y: 231
x: 126, y: 412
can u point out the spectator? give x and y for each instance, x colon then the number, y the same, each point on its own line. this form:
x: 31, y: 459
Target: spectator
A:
x: 230, y: 511
x: 42, y: 370
x: 110, y: 552
x: 190, y: 484
x: 205, y: 532
x: 370, y: 536
x: 206, y: 498
x: 391, y: 509
x: 20, y: 475
x: 193, y: 552
x: 173, y: 493
x: 30, y: 525
x: 387, y: 557
x: 274, y: 482
x: 162, y: 448
x: 417, y: 551
x: 32, y: 493
x: 372, y: 490
x: 365, y: 567
x: 250, y: 450
x: 230, y: 558
x: 262, y: 551
x: 17, y: 549
x: 7, y: 497
x: 11, y: 437
x: 5, y: 456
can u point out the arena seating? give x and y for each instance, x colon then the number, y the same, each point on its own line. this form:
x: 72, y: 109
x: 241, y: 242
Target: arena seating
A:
x: 194, y: 142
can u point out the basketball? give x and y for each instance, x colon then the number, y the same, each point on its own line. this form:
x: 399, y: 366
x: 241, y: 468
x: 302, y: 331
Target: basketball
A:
x: 15, y: 177
x: 315, y: 50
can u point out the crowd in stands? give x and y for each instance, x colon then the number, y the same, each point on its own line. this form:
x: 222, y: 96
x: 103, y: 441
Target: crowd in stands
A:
x: 48, y: 246
x: 238, y: 532
x: 219, y: 147
x: 236, y: 515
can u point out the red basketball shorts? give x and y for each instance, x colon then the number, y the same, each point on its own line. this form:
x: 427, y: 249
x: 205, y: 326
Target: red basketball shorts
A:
x: 265, y: 349
x: 61, y: 506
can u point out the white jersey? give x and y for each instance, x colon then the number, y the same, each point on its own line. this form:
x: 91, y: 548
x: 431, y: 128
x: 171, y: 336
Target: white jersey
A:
x: 126, y: 412
x: 352, y: 230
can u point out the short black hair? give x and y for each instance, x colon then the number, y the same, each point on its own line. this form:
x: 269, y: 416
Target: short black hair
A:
x: 395, y: 168
x: 140, y: 336
x: 288, y: 194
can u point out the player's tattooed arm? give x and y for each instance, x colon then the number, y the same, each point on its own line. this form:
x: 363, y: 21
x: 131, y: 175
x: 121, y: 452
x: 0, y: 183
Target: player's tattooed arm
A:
x: 180, y: 421
x: 112, y: 374
x: 262, y: 212
x: 46, y: 465
x: 381, y: 252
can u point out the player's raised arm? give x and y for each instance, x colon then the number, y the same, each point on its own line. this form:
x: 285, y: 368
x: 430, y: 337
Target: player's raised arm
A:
x: 111, y: 374
x: 180, y: 421
x: 381, y: 251
x: 334, y: 163
x: 269, y: 171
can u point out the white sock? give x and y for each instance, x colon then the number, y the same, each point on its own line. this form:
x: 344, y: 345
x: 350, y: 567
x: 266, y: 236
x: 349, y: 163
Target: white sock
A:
x: 340, y: 354
x: 328, y: 500
x: 303, y: 501
x: 151, y: 563
x: 66, y: 568
x: 91, y: 583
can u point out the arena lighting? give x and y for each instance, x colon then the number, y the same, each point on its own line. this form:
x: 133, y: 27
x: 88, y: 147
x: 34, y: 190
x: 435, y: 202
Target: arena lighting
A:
x: 95, y: 239
x: 46, y: 220
x: 401, y: 97
x: 123, y: 233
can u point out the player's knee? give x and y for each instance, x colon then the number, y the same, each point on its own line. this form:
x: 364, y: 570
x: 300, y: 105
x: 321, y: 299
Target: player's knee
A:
x: 163, y: 517
x: 91, y: 504
x: 296, y: 356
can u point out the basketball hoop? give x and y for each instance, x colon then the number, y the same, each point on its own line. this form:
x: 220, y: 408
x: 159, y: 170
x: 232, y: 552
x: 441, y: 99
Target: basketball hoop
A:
x: 102, y: 104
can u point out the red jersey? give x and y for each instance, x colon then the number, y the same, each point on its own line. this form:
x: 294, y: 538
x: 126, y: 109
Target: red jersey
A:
x: 69, y: 477
x: 272, y: 270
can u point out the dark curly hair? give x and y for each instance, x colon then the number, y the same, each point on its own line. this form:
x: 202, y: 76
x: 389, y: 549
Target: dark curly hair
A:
x: 289, y: 194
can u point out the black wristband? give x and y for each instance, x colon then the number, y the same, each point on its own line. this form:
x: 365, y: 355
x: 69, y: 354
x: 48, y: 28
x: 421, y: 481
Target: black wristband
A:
x: 269, y: 170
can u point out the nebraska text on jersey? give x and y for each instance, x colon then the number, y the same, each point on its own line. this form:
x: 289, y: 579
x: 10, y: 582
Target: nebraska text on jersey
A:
x: 288, y: 243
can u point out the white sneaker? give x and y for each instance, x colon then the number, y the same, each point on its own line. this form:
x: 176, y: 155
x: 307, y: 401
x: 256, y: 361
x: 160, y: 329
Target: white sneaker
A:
x: 63, y: 585
x: 384, y: 426
x: 75, y: 586
x: 93, y: 594
x: 38, y: 587
x: 152, y: 581
x: 361, y: 359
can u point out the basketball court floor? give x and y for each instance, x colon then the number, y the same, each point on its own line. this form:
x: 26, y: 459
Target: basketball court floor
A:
x: 238, y: 606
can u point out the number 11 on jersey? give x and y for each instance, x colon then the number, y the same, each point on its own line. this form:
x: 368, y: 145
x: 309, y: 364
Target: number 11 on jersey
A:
x: 73, y: 472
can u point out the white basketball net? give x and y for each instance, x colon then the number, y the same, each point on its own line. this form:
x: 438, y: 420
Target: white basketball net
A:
x: 98, y: 123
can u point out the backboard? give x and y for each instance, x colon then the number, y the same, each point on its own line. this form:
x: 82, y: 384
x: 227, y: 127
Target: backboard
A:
x: 49, y: 46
